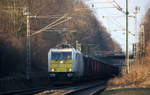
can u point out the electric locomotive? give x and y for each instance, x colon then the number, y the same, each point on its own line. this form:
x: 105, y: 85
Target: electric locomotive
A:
x: 65, y: 62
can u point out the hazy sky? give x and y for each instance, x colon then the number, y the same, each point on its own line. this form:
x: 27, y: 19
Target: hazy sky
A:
x: 114, y: 20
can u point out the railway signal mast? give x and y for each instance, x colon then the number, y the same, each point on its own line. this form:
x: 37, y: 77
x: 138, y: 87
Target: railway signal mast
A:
x: 127, y: 32
x: 127, y: 35
x: 142, y: 43
x: 28, y: 67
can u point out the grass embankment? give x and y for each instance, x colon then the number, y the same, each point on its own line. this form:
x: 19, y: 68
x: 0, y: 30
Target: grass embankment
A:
x: 139, y: 76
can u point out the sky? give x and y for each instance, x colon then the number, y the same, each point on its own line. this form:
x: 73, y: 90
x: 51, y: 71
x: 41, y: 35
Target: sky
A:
x: 114, y: 20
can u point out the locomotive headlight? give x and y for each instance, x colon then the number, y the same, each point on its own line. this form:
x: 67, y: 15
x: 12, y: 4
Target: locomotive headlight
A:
x: 61, y: 62
x: 52, y: 69
x: 70, y: 69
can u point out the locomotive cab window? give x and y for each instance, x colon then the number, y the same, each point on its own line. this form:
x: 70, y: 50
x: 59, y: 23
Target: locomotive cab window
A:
x: 61, y: 55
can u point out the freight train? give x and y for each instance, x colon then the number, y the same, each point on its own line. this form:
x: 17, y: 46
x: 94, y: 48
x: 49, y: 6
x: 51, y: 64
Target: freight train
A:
x: 71, y: 63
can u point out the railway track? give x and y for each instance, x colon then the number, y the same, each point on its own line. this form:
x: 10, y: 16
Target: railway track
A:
x: 29, y: 91
x: 68, y: 88
x: 36, y: 90
x: 86, y: 89
x: 93, y: 89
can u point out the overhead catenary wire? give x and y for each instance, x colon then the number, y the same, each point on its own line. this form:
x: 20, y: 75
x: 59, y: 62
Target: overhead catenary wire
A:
x: 116, y: 23
x: 44, y: 28
x: 53, y: 24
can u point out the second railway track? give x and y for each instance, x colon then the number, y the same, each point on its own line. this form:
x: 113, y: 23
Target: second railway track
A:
x: 93, y: 89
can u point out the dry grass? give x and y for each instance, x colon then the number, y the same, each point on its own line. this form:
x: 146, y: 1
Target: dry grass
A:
x: 138, y: 73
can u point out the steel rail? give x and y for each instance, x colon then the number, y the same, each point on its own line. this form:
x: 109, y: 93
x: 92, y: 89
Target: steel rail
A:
x: 91, y: 89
